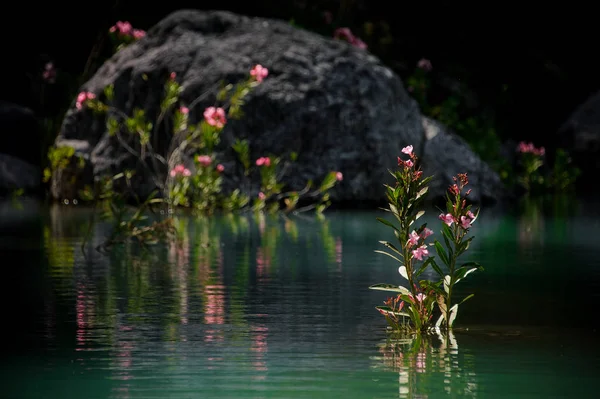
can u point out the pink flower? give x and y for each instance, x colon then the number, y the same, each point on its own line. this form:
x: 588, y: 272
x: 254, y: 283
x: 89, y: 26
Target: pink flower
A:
x: 409, y: 164
x: 421, y: 297
x: 204, y: 160
x: 413, y: 239
x: 180, y: 170
x: 357, y: 42
x: 172, y: 76
x: 524, y: 148
x: 346, y: 34
x: 471, y: 215
x: 83, y: 97
x: 261, y: 196
x: 420, y: 252
x: 339, y: 176
x: 122, y: 28
x: 259, y: 72
x: 215, y: 117
x: 407, y: 150
x: 184, y: 110
x: 424, y: 64
x: 426, y: 233
x: 263, y: 161
x: 465, y: 222
x: 220, y: 168
x: 447, y: 218
x: 138, y: 33
x: 343, y: 33
x: 454, y: 189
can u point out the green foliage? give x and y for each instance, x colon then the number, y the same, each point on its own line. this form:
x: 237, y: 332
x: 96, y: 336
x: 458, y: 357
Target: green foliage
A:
x: 197, y: 185
x: 536, y: 178
x: 59, y: 158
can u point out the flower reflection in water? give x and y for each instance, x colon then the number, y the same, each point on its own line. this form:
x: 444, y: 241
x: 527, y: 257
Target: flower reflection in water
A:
x: 214, y: 292
x: 123, y: 360
x: 179, y: 257
x: 531, y: 225
x: 338, y: 252
x: 84, y: 315
x: 263, y: 263
x: 428, y: 364
x: 258, y: 335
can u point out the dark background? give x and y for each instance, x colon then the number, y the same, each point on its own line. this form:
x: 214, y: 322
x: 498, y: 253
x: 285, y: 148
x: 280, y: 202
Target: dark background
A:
x: 528, y: 68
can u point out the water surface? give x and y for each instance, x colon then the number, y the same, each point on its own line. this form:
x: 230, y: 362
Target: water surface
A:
x: 252, y: 308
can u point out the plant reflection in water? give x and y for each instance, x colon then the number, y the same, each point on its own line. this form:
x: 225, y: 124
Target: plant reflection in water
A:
x: 427, y: 361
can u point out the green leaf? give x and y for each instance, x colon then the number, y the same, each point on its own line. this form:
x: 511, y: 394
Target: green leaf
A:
x: 387, y: 223
x: 446, y: 232
x: 422, y: 192
x: 419, y: 214
x: 388, y: 310
x: 441, y: 252
x: 472, y: 264
x: 423, y: 266
x: 390, y: 287
x: 447, y: 281
x: 388, y: 254
x: 466, y: 299
x: 328, y: 181
x: 394, y: 211
x: 435, y: 267
x: 463, y: 272
x: 391, y: 246
x: 464, y: 246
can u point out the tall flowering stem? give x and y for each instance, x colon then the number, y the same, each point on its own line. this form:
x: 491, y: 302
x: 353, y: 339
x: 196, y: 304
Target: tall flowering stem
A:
x: 456, y: 223
x: 411, y: 251
x: 416, y: 303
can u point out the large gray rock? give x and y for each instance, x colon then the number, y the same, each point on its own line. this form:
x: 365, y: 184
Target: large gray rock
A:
x: 446, y: 154
x: 580, y: 135
x: 337, y: 106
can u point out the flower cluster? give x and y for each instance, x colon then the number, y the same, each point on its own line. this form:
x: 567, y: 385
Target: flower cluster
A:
x: 124, y: 30
x: 263, y: 161
x: 461, y: 214
x: 417, y: 240
x: 83, y: 98
x: 259, y: 72
x: 347, y: 35
x: 408, y: 165
x: 529, y: 148
x: 215, y: 116
x: 180, y: 170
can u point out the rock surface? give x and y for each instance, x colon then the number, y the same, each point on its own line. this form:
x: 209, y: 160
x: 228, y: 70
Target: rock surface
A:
x: 580, y: 135
x: 445, y: 154
x: 336, y: 106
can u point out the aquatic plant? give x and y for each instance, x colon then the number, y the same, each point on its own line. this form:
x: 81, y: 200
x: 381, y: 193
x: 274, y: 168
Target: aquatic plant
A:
x: 411, y: 310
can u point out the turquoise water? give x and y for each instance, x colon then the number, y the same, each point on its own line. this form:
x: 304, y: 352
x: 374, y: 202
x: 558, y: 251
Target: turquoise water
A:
x: 251, y: 308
